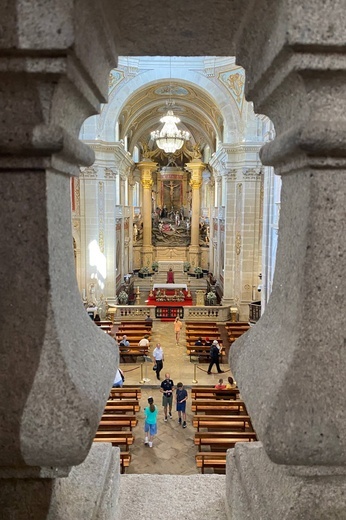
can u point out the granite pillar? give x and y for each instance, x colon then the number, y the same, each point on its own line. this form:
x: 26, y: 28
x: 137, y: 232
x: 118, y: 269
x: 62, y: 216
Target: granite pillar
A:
x: 294, y: 61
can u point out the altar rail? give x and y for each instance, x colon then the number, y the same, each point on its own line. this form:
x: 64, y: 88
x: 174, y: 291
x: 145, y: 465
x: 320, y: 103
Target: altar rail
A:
x: 218, y: 313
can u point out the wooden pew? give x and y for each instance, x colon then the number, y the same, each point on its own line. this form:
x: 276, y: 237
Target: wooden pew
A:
x: 132, y: 352
x: 220, y: 422
x: 195, y: 336
x: 203, y: 330
x: 223, y: 440
x: 218, y: 406
x: 135, y: 327
x: 117, y: 438
x: 125, y: 459
x: 114, y: 421
x: 123, y: 406
x: 209, y: 459
x: 126, y: 392
x: 209, y: 392
x: 203, y: 352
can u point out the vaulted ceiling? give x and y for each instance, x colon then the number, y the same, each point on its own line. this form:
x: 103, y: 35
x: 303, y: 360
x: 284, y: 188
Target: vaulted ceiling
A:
x: 197, y: 111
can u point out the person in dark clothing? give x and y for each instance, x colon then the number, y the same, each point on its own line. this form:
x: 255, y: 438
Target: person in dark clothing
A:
x: 214, y: 357
x: 199, y: 342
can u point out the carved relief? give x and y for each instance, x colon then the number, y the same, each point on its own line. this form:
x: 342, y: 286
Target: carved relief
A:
x: 234, y: 81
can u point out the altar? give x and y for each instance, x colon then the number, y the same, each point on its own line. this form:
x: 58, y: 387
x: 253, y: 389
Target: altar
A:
x: 170, y: 286
x: 175, y: 265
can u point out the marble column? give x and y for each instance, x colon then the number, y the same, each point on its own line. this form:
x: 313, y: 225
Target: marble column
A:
x: 146, y: 168
x: 291, y: 367
x: 196, y: 168
x: 56, y: 367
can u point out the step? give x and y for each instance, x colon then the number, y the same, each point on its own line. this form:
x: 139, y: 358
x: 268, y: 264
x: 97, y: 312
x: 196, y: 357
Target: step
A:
x: 170, y: 497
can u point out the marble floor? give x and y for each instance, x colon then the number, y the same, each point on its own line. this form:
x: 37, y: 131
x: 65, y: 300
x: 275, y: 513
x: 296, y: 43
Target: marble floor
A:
x: 173, y: 449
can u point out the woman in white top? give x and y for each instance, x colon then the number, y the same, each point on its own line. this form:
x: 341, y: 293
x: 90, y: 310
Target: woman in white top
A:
x: 159, y: 358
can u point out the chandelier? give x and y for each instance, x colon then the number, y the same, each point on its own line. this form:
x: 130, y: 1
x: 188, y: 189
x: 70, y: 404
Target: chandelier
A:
x: 170, y: 138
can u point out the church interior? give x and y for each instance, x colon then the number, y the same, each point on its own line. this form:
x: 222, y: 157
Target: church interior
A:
x: 173, y: 177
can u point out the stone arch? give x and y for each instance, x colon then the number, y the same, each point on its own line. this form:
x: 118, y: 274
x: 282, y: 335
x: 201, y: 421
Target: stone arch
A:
x: 118, y: 99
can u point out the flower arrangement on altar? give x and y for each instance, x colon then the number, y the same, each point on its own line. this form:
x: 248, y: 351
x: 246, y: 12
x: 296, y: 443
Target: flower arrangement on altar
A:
x: 123, y: 298
x: 187, y: 266
x: 211, y: 298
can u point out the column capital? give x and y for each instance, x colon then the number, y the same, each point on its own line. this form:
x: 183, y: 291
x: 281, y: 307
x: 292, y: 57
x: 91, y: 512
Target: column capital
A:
x: 196, y: 168
x: 146, y: 168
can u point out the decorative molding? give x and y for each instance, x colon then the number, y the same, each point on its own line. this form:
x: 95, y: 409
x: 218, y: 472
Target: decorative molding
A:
x: 252, y: 174
x: 238, y: 243
x: 88, y: 173
x: 110, y: 174
x: 101, y: 210
x: 77, y: 196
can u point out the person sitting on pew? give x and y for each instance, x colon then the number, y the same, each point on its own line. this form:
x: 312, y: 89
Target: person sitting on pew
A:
x: 124, y: 342
x: 220, y: 385
x: 231, y: 383
x: 208, y: 342
x: 97, y: 318
x: 170, y: 276
x: 148, y: 320
x: 199, y: 342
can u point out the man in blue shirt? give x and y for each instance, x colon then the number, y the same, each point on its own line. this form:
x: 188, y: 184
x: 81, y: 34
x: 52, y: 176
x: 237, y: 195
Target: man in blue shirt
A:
x: 167, y: 387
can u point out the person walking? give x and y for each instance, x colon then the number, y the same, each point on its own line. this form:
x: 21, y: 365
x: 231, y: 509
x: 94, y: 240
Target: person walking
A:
x: 150, y: 424
x: 119, y: 379
x: 158, y: 356
x: 214, y: 357
x: 167, y: 387
x: 177, y: 328
x: 181, y: 397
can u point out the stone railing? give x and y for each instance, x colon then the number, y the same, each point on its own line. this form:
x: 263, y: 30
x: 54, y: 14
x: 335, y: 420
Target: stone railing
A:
x: 193, y: 313
x: 207, y: 313
x: 130, y: 312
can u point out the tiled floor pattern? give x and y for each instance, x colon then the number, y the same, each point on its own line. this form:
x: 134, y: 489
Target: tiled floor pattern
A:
x: 173, y: 450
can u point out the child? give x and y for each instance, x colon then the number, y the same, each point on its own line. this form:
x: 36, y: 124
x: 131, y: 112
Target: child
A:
x: 181, y: 403
x: 150, y: 425
x: 220, y: 385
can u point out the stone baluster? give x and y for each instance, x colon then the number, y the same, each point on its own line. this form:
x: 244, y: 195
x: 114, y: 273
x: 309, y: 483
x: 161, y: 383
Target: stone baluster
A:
x: 291, y: 367
x: 56, y: 367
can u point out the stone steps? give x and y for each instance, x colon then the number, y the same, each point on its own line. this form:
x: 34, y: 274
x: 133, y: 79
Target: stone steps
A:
x: 170, y: 497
